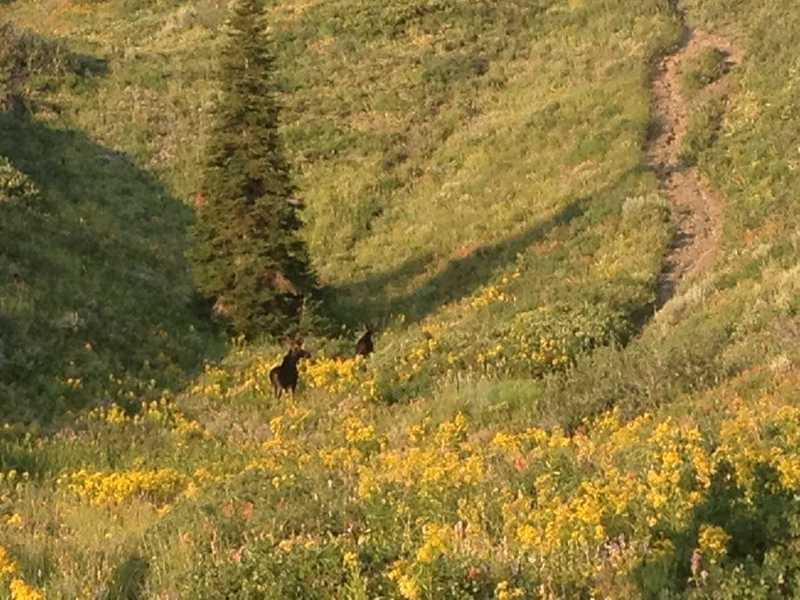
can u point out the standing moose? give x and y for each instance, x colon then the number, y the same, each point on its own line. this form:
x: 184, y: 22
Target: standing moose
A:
x: 364, y: 345
x: 284, y: 376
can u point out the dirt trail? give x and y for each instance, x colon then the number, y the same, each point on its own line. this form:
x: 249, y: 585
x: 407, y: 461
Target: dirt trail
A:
x: 696, y: 207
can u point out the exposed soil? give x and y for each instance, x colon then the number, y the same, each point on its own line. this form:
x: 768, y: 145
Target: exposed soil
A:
x: 696, y: 207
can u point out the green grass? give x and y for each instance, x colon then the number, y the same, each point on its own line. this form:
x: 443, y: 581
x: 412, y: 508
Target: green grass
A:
x: 474, y: 177
x: 704, y: 69
x: 703, y: 129
x: 99, y: 286
x: 707, y: 104
x: 95, y: 299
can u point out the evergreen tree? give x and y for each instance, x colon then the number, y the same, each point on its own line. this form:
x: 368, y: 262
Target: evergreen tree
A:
x: 247, y: 254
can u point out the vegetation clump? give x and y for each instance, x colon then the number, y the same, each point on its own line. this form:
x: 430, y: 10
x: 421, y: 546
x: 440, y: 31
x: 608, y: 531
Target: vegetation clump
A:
x: 704, y: 69
x: 31, y: 62
x: 15, y: 186
x: 703, y: 129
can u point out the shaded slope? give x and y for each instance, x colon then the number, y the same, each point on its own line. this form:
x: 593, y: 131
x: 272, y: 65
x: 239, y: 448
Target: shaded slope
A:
x: 95, y: 293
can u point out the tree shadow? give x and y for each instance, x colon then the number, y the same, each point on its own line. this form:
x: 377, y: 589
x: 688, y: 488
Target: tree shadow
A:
x: 757, y: 523
x: 25, y: 54
x: 372, y: 299
x: 93, y: 279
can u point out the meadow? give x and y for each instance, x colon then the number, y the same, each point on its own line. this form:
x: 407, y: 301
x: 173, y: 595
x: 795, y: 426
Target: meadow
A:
x: 476, y: 185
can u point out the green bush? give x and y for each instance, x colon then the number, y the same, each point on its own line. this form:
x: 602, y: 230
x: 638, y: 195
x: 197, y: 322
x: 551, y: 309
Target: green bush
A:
x: 263, y: 571
x: 15, y: 186
x: 24, y: 54
x: 703, y: 128
x: 704, y: 69
x: 531, y: 343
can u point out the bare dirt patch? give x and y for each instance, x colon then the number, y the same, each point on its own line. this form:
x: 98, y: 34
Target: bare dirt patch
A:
x: 696, y: 206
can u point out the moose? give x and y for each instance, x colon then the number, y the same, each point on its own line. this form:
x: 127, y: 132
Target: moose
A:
x: 284, y: 376
x: 364, y: 345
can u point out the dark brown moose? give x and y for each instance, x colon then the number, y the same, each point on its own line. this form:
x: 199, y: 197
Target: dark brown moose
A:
x: 364, y: 345
x: 284, y: 376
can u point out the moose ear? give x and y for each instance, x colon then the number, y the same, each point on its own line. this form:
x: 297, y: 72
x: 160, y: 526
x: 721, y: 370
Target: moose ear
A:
x: 290, y: 342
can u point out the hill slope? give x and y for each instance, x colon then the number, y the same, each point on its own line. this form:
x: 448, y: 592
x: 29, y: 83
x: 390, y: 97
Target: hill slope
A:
x: 95, y: 297
x: 477, y: 180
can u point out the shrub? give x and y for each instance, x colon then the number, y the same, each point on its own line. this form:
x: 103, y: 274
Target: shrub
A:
x: 24, y: 54
x: 702, y: 130
x: 704, y: 69
x: 295, y: 570
x: 15, y: 186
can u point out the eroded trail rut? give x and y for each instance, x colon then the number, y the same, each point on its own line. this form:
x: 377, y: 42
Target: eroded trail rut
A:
x: 696, y: 208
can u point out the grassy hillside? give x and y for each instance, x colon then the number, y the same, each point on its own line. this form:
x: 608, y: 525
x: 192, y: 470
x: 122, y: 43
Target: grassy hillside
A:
x: 476, y: 182
x: 406, y: 216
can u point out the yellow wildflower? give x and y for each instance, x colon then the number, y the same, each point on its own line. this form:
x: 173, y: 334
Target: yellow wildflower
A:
x: 22, y: 591
x: 713, y: 541
x: 8, y: 566
x: 436, y: 539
